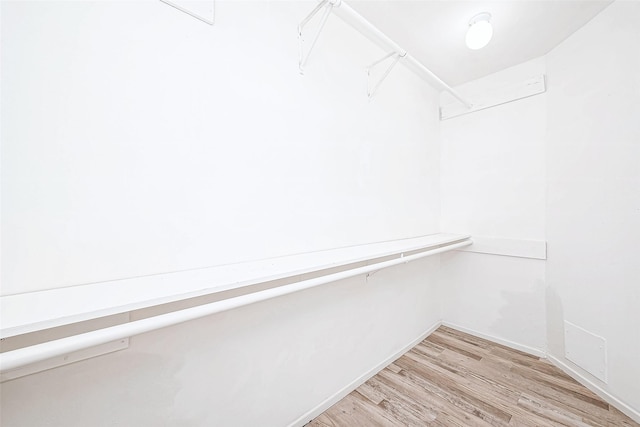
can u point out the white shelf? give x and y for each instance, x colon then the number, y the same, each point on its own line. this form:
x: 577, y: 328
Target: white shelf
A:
x: 29, y: 312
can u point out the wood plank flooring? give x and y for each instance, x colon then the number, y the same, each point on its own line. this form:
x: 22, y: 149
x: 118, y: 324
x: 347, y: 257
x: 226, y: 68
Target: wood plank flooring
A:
x: 455, y: 379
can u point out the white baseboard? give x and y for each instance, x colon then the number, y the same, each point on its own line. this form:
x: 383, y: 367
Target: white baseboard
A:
x: 507, y: 343
x: 335, y: 398
x: 605, y: 395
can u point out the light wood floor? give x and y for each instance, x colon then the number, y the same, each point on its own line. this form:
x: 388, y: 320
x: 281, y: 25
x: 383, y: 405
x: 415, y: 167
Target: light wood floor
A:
x: 455, y: 379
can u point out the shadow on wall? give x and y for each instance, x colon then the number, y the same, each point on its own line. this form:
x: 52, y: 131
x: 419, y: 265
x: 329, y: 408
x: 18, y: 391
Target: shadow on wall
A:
x: 555, y: 323
x: 97, y: 386
x: 522, y: 318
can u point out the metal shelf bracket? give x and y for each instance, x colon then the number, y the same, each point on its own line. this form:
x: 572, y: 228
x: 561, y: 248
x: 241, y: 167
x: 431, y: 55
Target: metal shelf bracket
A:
x: 372, y: 89
x: 357, y: 21
x: 328, y: 5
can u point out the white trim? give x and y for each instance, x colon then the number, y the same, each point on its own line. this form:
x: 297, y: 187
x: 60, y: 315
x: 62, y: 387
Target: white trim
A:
x: 73, y: 357
x: 505, y: 342
x: 335, y: 398
x: 605, y: 395
x: 22, y: 341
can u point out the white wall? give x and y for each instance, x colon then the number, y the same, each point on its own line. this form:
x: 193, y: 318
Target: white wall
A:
x: 562, y: 167
x: 265, y: 364
x: 98, y: 114
x: 493, y: 185
x: 136, y: 139
x: 593, y: 206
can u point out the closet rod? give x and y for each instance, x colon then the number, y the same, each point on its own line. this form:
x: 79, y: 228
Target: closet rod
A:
x: 36, y: 353
x: 357, y: 21
x: 360, y: 23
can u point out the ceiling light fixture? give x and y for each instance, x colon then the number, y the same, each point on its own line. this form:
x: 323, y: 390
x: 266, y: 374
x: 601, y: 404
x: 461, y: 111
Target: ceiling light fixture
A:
x: 479, y: 32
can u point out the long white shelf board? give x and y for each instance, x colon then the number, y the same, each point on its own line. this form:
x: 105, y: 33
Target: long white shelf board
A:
x: 33, y: 311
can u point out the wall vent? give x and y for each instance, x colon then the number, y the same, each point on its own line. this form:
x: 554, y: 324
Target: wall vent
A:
x: 587, y: 350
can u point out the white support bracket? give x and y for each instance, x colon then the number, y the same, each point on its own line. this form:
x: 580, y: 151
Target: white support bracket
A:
x: 534, y: 85
x: 204, y: 10
x: 357, y: 21
x: 371, y: 90
x: 328, y: 6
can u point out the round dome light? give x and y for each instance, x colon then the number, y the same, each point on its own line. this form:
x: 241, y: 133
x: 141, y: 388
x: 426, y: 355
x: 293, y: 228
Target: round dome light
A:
x: 479, y: 32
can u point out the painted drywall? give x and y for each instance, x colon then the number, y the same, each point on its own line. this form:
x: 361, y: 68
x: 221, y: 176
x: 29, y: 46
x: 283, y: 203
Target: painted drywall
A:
x: 498, y: 297
x: 593, y: 204
x: 242, y: 367
x: 493, y: 185
x: 267, y: 364
x: 138, y: 140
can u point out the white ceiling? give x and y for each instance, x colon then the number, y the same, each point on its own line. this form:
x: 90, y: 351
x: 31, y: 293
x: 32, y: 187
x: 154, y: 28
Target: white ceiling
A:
x: 433, y: 31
